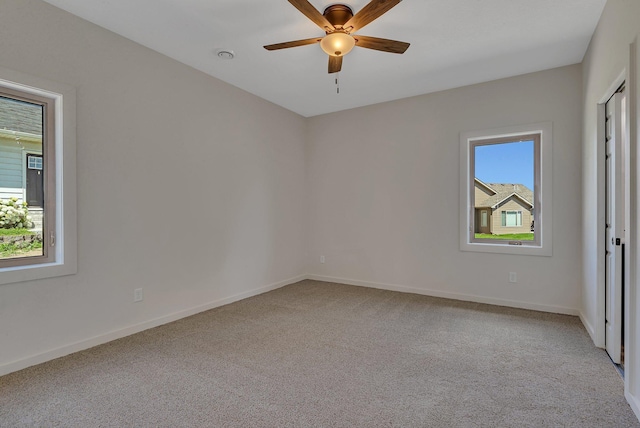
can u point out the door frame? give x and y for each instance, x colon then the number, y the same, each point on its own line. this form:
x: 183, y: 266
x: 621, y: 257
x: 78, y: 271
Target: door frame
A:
x: 26, y: 172
x: 616, y: 208
x: 601, y: 190
x: 25, y: 154
x: 632, y: 298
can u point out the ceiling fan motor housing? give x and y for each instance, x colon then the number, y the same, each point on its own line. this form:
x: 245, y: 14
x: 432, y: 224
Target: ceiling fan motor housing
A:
x: 338, y: 15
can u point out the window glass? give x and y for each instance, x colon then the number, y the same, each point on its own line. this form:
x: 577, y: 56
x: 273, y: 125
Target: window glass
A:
x: 24, y: 178
x: 34, y: 162
x: 504, y: 173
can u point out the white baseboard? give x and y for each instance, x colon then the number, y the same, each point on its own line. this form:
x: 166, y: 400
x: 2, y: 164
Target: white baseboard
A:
x: 450, y: 295
x: 137, y: 328
x: 588, y: 327
x: 634, y: 402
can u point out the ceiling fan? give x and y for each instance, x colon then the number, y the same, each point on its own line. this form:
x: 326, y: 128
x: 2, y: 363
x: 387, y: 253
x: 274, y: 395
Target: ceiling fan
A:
x: 339, y: 23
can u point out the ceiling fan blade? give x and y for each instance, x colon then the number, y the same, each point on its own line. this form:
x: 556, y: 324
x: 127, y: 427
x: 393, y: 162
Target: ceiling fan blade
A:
x: 312, y: 13
x: 367, y: 14
x: 335, y: 63
x: 379, y: 44
x: 293, y: 44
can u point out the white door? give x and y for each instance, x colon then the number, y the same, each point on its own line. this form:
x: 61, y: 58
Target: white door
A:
x: 615, y: 222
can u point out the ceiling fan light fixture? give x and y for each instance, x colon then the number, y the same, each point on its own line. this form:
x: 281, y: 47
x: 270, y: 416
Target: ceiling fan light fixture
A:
x: 337, y: 44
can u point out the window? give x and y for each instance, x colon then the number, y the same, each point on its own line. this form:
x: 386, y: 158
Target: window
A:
x: 34, y: 162
x: 511, y: 218
x: 505, y: 190
x: 37, y: 178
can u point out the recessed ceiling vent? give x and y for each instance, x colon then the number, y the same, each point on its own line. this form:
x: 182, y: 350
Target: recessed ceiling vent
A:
x: 225, y: 53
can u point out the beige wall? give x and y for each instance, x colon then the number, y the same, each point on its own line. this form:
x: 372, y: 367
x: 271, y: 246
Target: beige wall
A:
x: 480, y: 194
x: 384, y: 199
x: 187, y: 187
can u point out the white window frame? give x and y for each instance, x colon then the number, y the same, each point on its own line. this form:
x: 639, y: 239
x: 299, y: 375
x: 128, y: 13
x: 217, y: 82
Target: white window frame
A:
x: 47, y: 106
x: 64, y: 261
x: 543, y: 244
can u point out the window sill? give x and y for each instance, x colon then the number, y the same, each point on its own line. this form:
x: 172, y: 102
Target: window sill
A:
x: 34, y: 272
x: 522, y: 250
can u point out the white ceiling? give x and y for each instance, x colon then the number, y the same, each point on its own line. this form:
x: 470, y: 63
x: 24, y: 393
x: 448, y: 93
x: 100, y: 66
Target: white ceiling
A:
x: 453, y: 43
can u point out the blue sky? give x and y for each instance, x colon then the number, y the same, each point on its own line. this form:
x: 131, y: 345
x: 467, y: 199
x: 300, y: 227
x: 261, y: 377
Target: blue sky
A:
x: 505, y: 163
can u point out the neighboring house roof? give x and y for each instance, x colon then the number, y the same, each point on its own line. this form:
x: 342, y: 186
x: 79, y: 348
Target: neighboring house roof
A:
x: 505, y: 191
x: 485, y: 185
x: 20, y: 116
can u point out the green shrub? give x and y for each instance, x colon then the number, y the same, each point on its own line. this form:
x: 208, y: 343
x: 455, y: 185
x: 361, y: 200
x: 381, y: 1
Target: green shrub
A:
x: 14, y: 214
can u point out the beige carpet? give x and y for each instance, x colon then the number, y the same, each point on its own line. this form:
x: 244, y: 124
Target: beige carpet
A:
x: 330, y: 355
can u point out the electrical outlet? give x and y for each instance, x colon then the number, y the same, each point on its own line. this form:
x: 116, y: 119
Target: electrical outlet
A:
x: 137, y: 295
x: 321, y: 259
x: 513, y: 277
